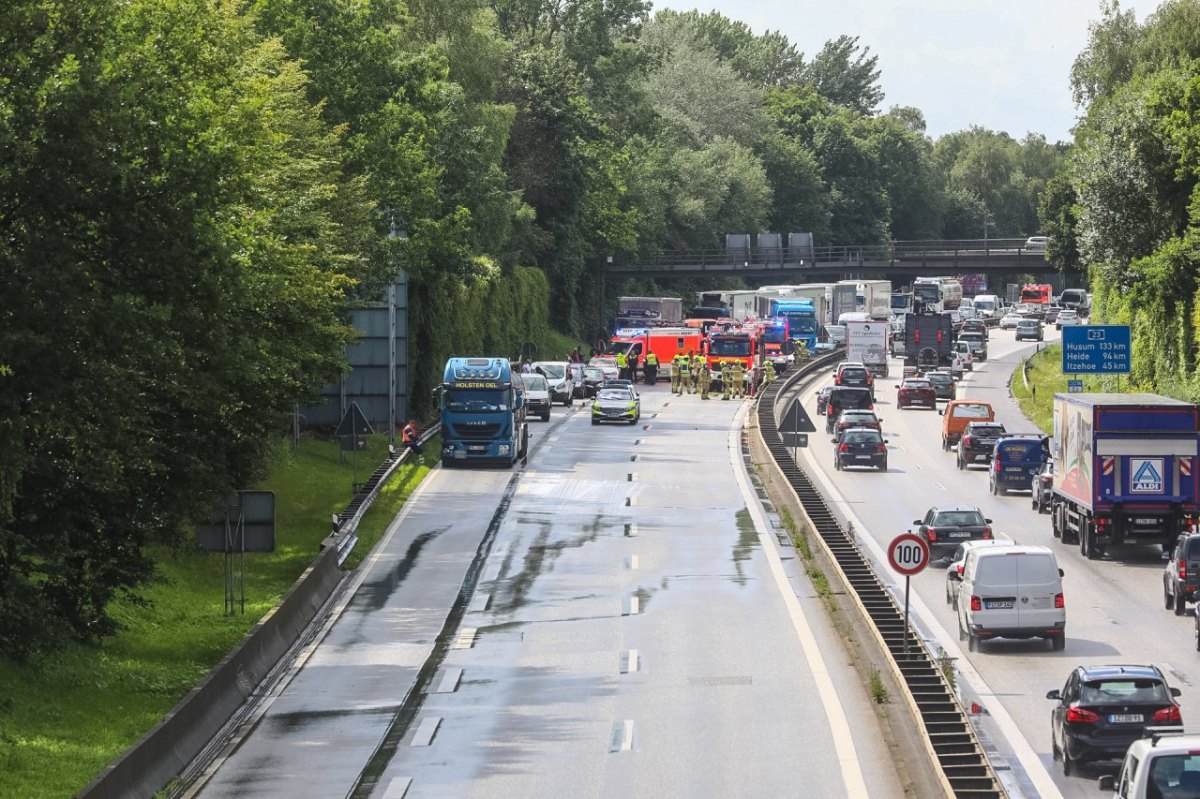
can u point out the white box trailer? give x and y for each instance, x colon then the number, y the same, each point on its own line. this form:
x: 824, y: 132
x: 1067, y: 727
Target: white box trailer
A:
x: 867, y: 342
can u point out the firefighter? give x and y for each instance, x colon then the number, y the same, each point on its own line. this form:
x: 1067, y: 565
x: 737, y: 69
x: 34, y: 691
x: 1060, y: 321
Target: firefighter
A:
x: 675, y: 374
x: 738, y: 376
x: 697, y: 362
x: 726, y: 380
x: 651, y: 369
x: 705, y: 380
x: 685, y: 373
x: 769, y: 373
x: 622, y: 366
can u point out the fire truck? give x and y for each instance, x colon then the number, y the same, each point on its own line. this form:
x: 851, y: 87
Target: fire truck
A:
x: 665, y: 342
x: 735, y: 346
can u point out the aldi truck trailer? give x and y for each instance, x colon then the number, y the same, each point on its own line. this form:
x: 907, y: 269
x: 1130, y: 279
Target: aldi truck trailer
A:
x: 1125, y: 470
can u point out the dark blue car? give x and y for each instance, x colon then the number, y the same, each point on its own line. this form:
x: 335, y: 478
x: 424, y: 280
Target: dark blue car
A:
x: 1016, y: 460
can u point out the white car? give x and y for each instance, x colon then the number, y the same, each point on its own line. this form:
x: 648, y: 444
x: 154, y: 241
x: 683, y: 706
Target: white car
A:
x: 1163, y: 763
x: 963, y: 358
x: 954, y: 570
x: 1009, y: 320
x: 1036, y: 243
x: 558, y: 375
x: 1067, y: 318
x: 537, y: 396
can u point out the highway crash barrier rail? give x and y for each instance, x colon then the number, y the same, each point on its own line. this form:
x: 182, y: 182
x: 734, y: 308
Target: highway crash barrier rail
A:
x: 192, y: 728
x: 949, y: 740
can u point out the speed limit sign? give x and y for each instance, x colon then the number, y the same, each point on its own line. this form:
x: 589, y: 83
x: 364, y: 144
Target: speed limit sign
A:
x: 908, y: 554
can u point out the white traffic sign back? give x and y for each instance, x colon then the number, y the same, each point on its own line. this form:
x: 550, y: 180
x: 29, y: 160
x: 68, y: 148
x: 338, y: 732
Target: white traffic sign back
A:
x: 908, y: 554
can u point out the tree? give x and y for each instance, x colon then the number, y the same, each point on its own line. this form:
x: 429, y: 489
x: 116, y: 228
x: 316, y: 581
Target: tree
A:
x: 848, y: 78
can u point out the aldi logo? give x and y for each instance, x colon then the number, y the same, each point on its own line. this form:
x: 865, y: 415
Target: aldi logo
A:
x: 1147, y: 475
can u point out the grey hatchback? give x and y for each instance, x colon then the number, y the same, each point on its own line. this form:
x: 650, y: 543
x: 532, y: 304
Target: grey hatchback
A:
x: 944, y: 528
x: 860, y: 446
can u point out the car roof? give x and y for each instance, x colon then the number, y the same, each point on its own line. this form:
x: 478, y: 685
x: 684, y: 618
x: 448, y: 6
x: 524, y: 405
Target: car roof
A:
x: 1103, y: 672
x: 943, y: 508
x: 983, y: 543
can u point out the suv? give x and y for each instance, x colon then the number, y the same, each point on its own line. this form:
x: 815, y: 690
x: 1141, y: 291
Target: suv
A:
x: 1181, y: 577
x: 954, y: 571
x: 843, y: 398
x: 1102, y: 710
x: 978, y: 342
x: 1029, y: 329
x: 860, y: 446
x: 1164, y: 763
x: 855, y: 374
x: 943, y: 384
x: 975, y: 326
x: 944, y: 528
x: 977, y: 442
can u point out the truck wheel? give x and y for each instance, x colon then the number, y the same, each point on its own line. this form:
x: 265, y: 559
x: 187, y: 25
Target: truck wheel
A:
x: 1180, y: 605
x: 1054, y: 528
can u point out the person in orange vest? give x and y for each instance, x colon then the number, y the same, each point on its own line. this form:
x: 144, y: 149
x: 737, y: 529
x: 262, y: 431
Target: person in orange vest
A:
x: 410, y: 439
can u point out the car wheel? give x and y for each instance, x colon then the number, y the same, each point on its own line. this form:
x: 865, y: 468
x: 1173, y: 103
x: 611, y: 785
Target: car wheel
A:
x: 883, y: 466
x: 837, y: 464
x: 546, y: 416
x: 972, y: 642
x: 570, y: 401
x: 945, y: 445
x: 992, y: 487
x: 962, y: 634
x: 1168, y: 600
x: 635, y: 419
x: 595, y: 421
x: 959, y: 462
x: 1068, y: 763
x: 1084, y: 543
x: 1055, y: 752
x: 1058, y: 642
x: 1198, y: 634
x: 1180, y: 605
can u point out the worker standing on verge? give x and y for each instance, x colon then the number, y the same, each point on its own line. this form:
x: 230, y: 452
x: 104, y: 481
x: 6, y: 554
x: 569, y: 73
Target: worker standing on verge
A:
x: 651, y: 370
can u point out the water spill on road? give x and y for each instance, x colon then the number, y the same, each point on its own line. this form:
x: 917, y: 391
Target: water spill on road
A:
x: 746, y: 544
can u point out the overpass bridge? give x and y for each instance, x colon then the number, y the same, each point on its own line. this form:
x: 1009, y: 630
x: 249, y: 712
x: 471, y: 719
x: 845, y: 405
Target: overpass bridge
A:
x: 899, y: 261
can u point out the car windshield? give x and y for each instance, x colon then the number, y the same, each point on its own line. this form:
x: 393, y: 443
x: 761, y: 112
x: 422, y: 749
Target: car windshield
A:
x: 1027, y: 323
x: 591, y: 373
x: 861, y: 437
x: 1176, y: 775
x: 958, y: 518
x: 1124, y: 690
x: 729, y: 347
x: 985, y: 429
x: 554, y: 371
x: 917, y: 384
x: 858, y: 416
x: 476, y: 401
x: 535, y: 382
x: 854, y: 373
x: 614, y: 395
x: 938, y: 377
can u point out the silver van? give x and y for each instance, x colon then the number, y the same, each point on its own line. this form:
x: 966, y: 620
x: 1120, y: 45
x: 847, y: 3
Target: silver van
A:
x: 1011, y: 592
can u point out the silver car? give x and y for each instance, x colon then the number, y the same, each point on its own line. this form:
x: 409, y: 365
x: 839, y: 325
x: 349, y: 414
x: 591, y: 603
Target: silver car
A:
x: 560, y: 378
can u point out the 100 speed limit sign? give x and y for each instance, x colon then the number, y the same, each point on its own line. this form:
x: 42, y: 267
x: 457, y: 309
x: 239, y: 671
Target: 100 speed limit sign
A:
x: 908, y: 554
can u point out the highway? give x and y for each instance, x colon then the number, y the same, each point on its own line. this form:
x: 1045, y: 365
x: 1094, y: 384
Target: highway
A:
x: 1114, y: 606
x: 615, y: 619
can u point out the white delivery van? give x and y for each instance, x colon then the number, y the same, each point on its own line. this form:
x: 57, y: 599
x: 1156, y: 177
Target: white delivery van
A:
x: 1011, y: 592
x: 988, y: 306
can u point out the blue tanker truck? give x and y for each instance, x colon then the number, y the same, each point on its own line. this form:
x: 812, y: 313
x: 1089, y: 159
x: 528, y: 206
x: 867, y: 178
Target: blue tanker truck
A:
x: 482, y: 403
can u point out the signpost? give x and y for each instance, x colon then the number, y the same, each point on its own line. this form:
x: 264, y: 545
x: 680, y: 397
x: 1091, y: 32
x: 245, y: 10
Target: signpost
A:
x: 908, y: 554
x: 796, y: 424
x: 1074, y: 386
x: 1096, y: 349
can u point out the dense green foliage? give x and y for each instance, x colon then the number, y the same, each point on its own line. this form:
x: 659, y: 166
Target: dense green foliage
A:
x: 193, y: 191
x: 1127, y: 202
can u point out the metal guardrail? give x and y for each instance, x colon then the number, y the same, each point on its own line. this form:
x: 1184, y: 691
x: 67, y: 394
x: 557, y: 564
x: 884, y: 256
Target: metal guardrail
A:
x: 949, y: 734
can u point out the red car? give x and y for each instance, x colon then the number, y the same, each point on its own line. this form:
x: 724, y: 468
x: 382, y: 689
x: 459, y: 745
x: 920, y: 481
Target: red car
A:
x: 916, y: 391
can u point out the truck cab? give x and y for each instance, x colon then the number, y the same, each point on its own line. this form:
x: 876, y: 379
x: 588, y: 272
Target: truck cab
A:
x: 482, y: 411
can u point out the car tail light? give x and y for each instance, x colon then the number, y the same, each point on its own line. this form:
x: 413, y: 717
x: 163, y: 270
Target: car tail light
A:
x: 939, y: 337
x: 869, y: 379
x: 1168, y: 714
x: 931, y: 533
x: 976, y: 603
x: 966, y: 441
x: 1182, y: 569
x: 1060, y: 602
x: 1103, y: 524
x: 917, y: 336
x: 1081, y: 715
x: 844, y: 448
x: 987, y: 532
x: 881, y: 448
x: 959, y: 568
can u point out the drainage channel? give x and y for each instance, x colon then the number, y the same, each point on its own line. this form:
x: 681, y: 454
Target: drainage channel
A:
x: 950, y: 733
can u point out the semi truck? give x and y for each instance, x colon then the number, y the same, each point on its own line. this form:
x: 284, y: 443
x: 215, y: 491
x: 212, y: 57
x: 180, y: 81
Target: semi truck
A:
x: 1125, y: 470
x: 482, y: 404
x: 876, y: 298
x: 645, y: 311
x: 937, y: 294
x: 867, y: 342
x: 928, y: 340
x: 845, y: 299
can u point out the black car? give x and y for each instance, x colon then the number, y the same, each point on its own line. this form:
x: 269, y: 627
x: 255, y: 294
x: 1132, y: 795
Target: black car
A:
x: 1181, y: 577
x: 944, y: 528
x: 977, y: 442
x: 975, y: 326
x: 822, y: 398
x: 593, y: 379
x: 943, y: 384
x: 860, y: 446
x: 844, y: 398
x: 1103, y: 709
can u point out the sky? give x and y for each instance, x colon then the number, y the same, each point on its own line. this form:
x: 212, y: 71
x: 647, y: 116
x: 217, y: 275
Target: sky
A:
x: 1004, y: 65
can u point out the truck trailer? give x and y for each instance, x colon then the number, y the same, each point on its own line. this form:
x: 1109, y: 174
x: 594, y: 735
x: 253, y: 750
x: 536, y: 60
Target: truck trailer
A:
x: 1125, y: 470
x: 928, y: 340
x: 482, y: 404
x: 867, y: 342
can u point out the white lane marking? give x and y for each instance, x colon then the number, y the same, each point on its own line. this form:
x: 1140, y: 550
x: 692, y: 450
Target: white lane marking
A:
x: 466, y: 638
x: 632, y: 477
x: 630, y: 661
x: 449, y: 682
x: 630, y: 501
x: 1022, y: 749
x: 843, y: 739
x: 938, y: 485
x: 397, y: 788
x: 622, y: 736
x: 1104, y: 615
x: 631, y: 563
x: 1178, y: 674
x: 632, y: 606
x: 479, y: 603
x: 631, y: 530
x: 424, y: 735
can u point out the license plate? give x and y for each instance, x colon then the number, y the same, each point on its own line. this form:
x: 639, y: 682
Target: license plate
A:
x: 477, y: 447
x: 962, y: 534
x: 1126, y: 718
x: 998, y: 604
x: 1146, y: 521
x: 1013, y: 469
x: 862, y: 457
x: 981, y: 457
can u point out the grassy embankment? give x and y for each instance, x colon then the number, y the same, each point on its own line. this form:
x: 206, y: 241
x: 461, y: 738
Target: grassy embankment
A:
x: 1045, y: 379
x: 64, y: 716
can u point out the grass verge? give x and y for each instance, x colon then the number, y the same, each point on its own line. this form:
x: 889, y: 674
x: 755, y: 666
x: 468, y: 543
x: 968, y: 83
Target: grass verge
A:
x: 1045, y: 379
x: 800, y: 540
x: 64, y: 716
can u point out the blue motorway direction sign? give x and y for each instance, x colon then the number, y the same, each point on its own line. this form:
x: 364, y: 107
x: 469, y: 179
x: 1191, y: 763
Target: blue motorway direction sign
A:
x: 1096, y: 349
